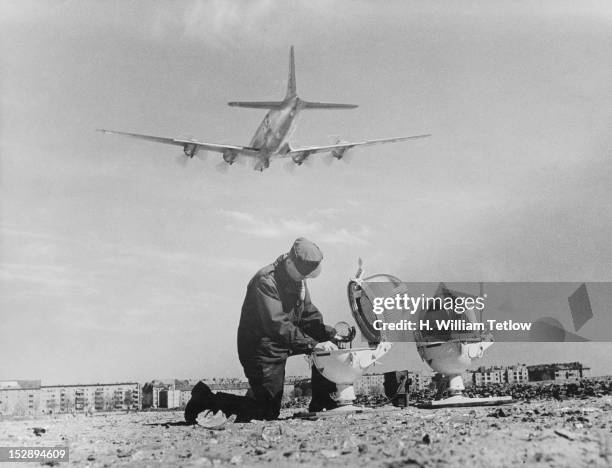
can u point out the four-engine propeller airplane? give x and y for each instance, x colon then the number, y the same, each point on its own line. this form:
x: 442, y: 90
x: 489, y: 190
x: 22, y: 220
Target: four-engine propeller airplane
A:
x: 271, y: 139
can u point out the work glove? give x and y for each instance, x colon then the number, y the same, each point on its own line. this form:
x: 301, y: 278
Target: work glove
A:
x: 325, y: 346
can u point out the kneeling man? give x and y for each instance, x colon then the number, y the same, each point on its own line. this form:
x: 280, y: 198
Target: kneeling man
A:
x: 278, y: 320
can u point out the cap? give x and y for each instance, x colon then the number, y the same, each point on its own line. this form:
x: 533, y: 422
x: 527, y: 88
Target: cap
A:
x: 306, y: 257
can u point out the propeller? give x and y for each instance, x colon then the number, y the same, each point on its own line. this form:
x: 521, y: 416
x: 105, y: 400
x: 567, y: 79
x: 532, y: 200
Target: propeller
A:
x: 328, y: 159
x: 348, y: 156
x: 222, y: 167
x: 181, y: 160
x: 308, y: 162
x: 305, y: 162
x: 199, y: 153
x: 289, y: 166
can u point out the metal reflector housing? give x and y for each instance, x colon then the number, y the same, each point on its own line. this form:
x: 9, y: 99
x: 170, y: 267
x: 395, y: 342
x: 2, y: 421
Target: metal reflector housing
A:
x: 360, y: 296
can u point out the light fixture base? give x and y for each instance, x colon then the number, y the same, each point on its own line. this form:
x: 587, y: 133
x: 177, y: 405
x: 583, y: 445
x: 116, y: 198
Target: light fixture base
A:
x: 344, y: 410
x: 463, y: 401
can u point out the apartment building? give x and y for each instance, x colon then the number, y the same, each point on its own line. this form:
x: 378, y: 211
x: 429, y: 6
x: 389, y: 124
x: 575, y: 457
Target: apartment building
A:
x: 90, y: 397
x: 500, y: 375
x: 557, y: 372
x: 370, y: 384
x: 19, y: 397
x: 517, y: 374
x: 488, y: 375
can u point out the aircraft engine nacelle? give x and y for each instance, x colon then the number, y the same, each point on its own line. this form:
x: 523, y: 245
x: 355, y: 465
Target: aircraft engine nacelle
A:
x: 230, y: 156
x: 299, y: 158
x: 262, y: 164
x: 190, y: 150
x: 338, y: 153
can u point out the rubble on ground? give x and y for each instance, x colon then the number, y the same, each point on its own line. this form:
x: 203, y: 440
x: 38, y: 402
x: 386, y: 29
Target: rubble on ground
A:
x: 584, y: 388
x: 541, y: 432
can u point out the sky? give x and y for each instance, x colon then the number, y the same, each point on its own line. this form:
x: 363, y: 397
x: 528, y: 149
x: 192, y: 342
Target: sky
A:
x: 117, y: 263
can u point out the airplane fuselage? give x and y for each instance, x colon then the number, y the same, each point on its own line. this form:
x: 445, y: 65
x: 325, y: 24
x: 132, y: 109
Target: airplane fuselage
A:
x: 276, y: 128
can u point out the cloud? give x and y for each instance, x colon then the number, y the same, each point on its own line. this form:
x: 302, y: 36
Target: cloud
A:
x: 238, y: 215
x: 222, y: 24
x: 53, y: 277
x: 234, y: 263
x: 214, y: 19
x: 182, y: 259
x: 344, y: 236
x: 247, y: 223
x: 89, y: 271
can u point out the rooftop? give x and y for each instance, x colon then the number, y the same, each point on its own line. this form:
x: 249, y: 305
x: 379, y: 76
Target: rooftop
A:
x: 19, y: 384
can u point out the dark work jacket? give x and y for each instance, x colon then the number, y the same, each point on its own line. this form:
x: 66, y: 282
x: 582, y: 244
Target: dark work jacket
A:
x: 274, y: 323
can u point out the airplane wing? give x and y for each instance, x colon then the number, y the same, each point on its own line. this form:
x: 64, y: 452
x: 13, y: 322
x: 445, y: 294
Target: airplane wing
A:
x: 340, y: 148
x: 188, y: 142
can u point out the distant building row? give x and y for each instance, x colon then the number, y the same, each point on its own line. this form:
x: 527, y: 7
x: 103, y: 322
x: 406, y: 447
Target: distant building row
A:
x: 373, y: 384
x: 520, y: 373
x: 29, y: 397
x: 176, y: 393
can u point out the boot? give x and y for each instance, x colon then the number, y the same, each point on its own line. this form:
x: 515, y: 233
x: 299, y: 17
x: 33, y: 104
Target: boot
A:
x: 247, y: 408
x: 243, y: 407
x: 202, y: 398
x: 321, y: 393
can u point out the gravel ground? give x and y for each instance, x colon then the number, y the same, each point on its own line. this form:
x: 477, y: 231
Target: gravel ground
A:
x: 544, y: 433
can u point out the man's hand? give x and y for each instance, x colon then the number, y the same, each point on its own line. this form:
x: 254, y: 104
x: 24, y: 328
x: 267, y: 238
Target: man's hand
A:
x: 325, y: 346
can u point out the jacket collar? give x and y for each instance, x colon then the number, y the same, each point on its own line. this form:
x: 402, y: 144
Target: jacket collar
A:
x: 283, y: 278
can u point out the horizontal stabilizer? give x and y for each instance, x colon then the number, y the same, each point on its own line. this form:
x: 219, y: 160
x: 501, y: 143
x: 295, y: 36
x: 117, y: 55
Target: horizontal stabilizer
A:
x: 326, y: 105
x: 257, y: 104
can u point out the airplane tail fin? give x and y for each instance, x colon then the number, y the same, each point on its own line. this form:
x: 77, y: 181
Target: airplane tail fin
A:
x: 326, y: 105
x: 257, y: 104
x: 291, y: 93
x: 291, y: 85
